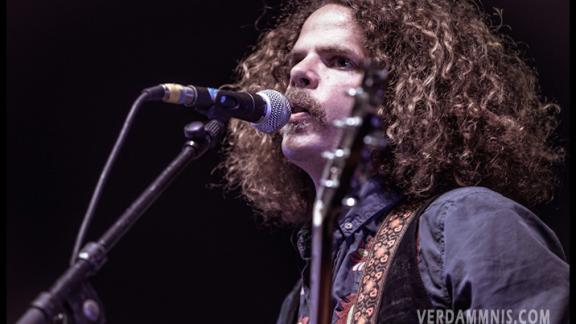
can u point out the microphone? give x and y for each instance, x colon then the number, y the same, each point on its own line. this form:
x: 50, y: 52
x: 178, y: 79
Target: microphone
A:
x: 267, y: 110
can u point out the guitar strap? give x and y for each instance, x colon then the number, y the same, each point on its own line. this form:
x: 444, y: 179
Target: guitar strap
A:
x: 382, y: 250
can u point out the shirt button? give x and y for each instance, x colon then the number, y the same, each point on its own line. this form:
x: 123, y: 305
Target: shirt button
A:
x: 348, y: 225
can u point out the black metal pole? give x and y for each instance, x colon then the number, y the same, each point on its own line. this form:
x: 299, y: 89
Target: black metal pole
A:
x: 49, y: 306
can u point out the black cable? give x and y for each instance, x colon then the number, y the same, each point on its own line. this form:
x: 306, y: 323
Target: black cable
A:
x: 105, y: 173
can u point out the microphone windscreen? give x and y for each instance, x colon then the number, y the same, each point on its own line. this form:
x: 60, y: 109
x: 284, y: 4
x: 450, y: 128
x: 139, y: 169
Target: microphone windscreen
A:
x: 278, y: 111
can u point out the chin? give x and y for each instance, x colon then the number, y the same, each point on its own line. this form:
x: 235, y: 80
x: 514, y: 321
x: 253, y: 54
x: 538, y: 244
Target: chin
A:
x: 304, y: 144
x: 306, y: 148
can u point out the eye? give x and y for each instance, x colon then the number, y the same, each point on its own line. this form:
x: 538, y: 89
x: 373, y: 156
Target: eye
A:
x: 342, y: 62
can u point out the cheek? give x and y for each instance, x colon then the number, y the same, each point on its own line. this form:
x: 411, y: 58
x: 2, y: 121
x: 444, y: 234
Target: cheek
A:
x: 340, y: 106
x: 338, y: 102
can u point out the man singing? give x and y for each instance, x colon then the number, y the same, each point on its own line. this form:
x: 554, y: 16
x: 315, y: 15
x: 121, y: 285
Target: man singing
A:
x: 469, y: 140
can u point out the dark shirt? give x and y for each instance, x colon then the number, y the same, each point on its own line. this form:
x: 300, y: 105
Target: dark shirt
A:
x: 477, y: 250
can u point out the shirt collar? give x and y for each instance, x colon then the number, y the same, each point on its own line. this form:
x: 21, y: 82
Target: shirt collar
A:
x: 373, y: 198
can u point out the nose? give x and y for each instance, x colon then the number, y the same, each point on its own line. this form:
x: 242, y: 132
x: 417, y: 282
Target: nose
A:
x: 304, y: 75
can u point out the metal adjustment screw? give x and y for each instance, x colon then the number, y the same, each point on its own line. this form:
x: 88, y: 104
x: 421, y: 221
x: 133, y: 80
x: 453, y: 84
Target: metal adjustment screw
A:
x: 91, y: 310
x: 340, y: 153
x: 347, y: 122
x: 328, y: 155
x: 353, y: 92
x: 60, y: 318
x: 353, y: 121
x: 336, y: 154
x: 349, y: 201
x: 330, y: 183
x: 376, y: 140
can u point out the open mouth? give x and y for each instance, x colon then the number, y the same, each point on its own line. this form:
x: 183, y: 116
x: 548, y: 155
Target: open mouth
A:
x: 299, y: 109
x: 299, y: 115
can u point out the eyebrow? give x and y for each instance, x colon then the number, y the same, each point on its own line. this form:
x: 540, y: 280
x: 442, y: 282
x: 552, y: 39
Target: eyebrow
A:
x: 334, y: 50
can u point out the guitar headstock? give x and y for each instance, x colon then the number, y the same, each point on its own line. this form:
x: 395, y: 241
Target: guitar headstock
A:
x: 374, y: 82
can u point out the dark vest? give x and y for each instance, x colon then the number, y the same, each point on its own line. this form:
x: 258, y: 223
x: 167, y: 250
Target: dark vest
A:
x: 403, y: 294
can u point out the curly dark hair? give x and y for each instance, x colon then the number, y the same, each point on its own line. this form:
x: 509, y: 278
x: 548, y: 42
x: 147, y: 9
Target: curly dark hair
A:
x: 462, y: 108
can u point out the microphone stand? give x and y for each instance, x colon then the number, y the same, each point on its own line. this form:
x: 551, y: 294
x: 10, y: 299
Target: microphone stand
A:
x: 71, y: 299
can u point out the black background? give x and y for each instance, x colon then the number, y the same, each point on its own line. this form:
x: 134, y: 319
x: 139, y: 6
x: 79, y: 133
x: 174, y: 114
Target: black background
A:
x: 74, y: 68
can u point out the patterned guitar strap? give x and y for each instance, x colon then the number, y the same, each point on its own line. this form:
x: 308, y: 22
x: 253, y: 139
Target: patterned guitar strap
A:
x: 381, y: 252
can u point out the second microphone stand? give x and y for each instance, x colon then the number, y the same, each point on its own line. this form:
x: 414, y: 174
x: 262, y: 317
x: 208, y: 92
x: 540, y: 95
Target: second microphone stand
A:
x: 71, y: 299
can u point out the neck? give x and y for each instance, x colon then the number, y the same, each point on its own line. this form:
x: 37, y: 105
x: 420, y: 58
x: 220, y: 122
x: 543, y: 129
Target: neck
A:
x: 314, y: 171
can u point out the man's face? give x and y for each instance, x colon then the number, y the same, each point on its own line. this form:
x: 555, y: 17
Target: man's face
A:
x: 326, y: 61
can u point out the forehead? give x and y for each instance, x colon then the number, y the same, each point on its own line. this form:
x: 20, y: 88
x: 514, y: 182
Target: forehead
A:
x: 332, y: 24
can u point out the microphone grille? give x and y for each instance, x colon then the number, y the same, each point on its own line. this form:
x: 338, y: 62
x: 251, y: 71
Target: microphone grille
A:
x: 278, y: 111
